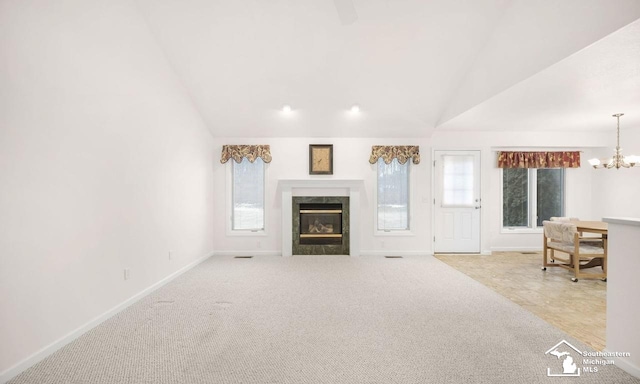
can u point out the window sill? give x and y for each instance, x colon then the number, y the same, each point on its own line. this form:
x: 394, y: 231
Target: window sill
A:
x: 407, y: 233
x: 521, y: 231
x: 241, y: 233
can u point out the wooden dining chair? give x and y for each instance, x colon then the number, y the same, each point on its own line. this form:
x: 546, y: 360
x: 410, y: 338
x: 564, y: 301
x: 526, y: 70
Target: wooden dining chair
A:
x: 575, y: 253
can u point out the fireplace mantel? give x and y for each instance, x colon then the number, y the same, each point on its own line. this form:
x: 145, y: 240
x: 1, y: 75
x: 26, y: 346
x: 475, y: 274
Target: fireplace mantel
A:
x: 320, y: 187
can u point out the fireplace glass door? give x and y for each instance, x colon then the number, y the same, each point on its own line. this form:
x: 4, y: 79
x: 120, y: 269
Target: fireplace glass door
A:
x: 320, y: 224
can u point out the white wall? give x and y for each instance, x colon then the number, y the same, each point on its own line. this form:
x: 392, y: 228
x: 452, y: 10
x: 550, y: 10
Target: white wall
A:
x: 615, y: 193
x: 579, y: 202
x: 623, y: 289
x: 104, y: 165
x: 351, y: 161
x: 616, y: 190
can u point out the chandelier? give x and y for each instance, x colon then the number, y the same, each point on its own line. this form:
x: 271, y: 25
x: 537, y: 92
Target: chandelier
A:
x: 618, y: 160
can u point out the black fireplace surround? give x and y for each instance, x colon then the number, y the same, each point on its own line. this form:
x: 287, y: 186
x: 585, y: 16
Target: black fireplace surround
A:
x: 320, y: 225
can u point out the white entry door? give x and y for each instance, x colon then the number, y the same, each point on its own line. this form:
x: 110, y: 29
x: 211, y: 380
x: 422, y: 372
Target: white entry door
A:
x: 457, y: 202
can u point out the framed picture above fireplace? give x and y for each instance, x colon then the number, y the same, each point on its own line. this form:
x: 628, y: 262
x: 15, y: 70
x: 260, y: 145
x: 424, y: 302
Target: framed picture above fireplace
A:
x: 321, y: 159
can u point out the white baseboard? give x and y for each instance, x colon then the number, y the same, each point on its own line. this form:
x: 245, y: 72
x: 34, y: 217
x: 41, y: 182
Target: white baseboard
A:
x: 516, y: 249
x: 626, y: 365
x: 362, y: 253
x: 247, y: 253
x: 483, y: 253
x: 394, y: 253
x: 73, y: 335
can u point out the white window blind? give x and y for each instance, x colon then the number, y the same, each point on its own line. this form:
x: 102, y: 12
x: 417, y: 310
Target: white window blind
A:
x: 248, y: 195
x: 457, y: 181
x: 393, y: 196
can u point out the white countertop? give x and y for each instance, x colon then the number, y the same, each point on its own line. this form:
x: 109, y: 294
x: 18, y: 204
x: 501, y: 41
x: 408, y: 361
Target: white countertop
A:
x: 622, y: 220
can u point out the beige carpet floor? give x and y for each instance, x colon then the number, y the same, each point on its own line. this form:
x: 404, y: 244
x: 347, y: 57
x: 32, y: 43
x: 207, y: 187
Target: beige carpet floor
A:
x: 318, y: 319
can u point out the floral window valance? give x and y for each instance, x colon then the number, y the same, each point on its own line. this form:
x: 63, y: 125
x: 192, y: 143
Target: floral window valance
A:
x: 539, y: 159
x: 251, y: 152
x: 390, y: 152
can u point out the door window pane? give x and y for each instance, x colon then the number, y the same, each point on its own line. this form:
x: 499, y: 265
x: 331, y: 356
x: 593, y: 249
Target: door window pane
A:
x: 393, y: 195
x: 457, y: 181
x: 248, y: 195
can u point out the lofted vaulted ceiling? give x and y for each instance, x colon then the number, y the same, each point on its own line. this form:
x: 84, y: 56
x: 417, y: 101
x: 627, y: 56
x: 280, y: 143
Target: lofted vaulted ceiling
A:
x: 413, y: 66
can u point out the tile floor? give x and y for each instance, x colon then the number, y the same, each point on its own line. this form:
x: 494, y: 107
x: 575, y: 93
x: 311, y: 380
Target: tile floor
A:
x: 578, y: 309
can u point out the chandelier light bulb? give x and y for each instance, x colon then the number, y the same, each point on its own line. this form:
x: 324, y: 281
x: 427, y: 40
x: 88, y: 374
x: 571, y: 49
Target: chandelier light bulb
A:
x: 286, y: 109
x: 633, y: 160
x: 618, y: 160
x: 355, y: 109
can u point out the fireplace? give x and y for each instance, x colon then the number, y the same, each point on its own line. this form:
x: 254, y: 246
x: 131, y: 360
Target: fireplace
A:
x: 344, y: 191
x: 320, y: 225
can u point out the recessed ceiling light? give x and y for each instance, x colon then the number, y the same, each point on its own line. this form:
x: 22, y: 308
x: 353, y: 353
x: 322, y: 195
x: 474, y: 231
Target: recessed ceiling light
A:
x: 286, y: 109
x: 355, y: 109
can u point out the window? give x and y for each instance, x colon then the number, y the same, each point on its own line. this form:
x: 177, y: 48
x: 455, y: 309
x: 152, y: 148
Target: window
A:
x: 530, y: 196
x: 248, y: 195
x: 393, y: 196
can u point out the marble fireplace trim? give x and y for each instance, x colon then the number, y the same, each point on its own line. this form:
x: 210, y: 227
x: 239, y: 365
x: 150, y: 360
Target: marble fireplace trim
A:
x: 320, y: 187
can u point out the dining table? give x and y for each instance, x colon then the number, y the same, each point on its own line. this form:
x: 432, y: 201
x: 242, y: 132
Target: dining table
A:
x: 599, y: 228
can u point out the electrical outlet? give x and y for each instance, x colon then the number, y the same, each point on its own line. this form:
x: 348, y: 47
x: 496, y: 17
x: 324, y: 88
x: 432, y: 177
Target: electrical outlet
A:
x: 127, y: 273
x: 382, y: 244
x: 170, y: 255
x: 259, y: 244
